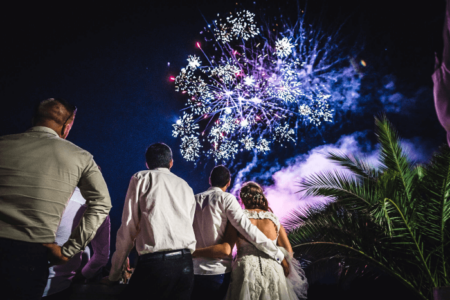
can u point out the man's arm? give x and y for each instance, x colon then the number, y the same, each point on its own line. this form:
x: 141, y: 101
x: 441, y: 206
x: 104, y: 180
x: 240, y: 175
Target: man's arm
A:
x: 251, y: 233
x: 194, y: 203
x: 93, y: 188
x: 128, y: 231
x: 100, y: 244
x: 220, y: 250
x: 283, y: 241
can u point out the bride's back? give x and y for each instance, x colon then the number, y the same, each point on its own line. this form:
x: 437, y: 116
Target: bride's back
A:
x: 265, y: 225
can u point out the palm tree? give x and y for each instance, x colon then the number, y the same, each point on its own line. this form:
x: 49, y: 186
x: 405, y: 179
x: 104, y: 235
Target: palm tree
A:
x: 394, y: 217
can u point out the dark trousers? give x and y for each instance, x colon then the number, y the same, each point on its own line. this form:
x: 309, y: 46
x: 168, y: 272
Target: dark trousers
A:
x: 211, y: 287
x: 63, y: 295
x: 23, y: 270
x: 162, y: 275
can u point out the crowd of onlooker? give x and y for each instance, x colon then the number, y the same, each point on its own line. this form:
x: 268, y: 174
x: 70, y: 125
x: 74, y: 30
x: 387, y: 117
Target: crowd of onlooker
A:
x: 54, y: 202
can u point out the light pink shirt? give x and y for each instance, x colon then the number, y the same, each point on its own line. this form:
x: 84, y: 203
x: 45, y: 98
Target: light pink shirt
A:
x: 157, y: 215
x: 60, y: 277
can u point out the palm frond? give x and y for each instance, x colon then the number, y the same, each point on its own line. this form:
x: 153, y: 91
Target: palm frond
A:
x: 354, y: 164
x: 396, y: 217
x: 436, y: 211
x: 330, y: 229
x: 351, y: 254
x: 341, y: 187
x: 392, y: 156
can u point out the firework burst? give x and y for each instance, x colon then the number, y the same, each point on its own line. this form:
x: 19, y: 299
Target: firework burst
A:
x: 257, y: 88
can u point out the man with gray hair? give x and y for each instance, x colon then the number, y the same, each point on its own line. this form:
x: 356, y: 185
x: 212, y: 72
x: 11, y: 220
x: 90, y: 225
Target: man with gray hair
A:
x: 39, y: 171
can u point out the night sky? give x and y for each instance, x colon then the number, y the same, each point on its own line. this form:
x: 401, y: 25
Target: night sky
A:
x: 111, y: 61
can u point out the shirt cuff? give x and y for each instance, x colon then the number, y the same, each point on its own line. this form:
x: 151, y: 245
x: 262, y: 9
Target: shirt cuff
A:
x: 279, y: 257
x: 69, y: 251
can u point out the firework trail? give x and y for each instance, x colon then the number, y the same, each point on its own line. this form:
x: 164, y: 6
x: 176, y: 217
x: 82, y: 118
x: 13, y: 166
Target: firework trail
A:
x: 252, y: 87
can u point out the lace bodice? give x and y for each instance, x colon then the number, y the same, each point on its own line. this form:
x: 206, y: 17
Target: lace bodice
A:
x: 251, y: 214
x: 245, y: 247
x: 255, y: 275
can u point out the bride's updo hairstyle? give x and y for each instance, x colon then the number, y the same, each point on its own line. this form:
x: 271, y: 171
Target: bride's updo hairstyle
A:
x: 252, y: 196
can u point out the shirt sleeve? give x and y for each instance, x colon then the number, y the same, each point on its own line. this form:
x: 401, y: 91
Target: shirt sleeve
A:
x: 236, y: 216
x: 441, y: 79
x: 192, y: 216
x: 194, y: 203
x: 100, y: 245
x: 93, y: 188
x: 128, y: 231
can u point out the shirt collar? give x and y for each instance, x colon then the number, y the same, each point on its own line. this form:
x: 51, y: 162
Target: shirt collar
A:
x: 214, y: 188
x: 165, y: 170
x: 42, y: 129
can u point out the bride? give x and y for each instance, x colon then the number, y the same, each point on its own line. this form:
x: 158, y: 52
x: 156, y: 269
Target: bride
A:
x: 254, y: 274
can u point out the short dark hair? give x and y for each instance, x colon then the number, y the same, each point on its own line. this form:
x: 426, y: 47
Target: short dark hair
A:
x: 56, y: 109
x: 220, y: 175
x: 158, y: 155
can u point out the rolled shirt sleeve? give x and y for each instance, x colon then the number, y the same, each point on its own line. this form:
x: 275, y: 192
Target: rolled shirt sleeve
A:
x: 93, y: 188
x: 250, y: 232
x: 100, y: 244
x: 128, y: 231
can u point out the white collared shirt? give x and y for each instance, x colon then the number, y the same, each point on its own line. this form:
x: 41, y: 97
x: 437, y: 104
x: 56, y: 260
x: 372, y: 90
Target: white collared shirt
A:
x: 157, y: 215
x: 213, y: 209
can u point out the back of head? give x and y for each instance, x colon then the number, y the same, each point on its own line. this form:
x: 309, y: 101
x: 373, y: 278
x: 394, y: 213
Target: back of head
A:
x: 220, y: 176
x: 158, y: 155
x: 53, y: 109
x: 252, y: 196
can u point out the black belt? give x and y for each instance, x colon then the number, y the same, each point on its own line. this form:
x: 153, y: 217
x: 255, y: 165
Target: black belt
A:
x: 166, y: 255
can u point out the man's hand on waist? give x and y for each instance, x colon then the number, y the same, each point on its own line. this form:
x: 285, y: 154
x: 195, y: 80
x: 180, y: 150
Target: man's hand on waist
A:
x: 55, y: 256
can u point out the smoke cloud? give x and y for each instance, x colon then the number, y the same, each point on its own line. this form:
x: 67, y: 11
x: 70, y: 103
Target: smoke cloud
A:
x: 284, y: 195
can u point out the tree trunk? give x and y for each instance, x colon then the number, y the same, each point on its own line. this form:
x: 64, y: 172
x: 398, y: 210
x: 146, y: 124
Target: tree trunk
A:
x: 441, y: 293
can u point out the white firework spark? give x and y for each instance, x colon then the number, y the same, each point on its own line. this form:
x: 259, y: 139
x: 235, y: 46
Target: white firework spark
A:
x: 259, y: 87
x: 249, y: 80
x: 248, y: 143
x: 241, y: 26
x: 185, y: 126
x: 283, y: 47
x: 224, y: 151
x: 226, y: 73
x: 194, y: 62
x: 321, y: 111
x: 190, y: 147
x: 284, y: 133
x: 263, y: 146
x: 304, y: 110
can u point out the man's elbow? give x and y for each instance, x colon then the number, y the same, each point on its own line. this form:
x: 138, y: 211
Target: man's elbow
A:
x: 226, y: 249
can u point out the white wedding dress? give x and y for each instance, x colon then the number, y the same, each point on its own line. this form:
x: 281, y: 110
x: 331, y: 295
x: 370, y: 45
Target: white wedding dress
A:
x: 257, y: 276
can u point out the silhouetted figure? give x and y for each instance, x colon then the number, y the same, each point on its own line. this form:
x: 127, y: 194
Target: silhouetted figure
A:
x: 39, y: 170
x: 441, y: 78
x: 157, y: 216
x: 215, y: 207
